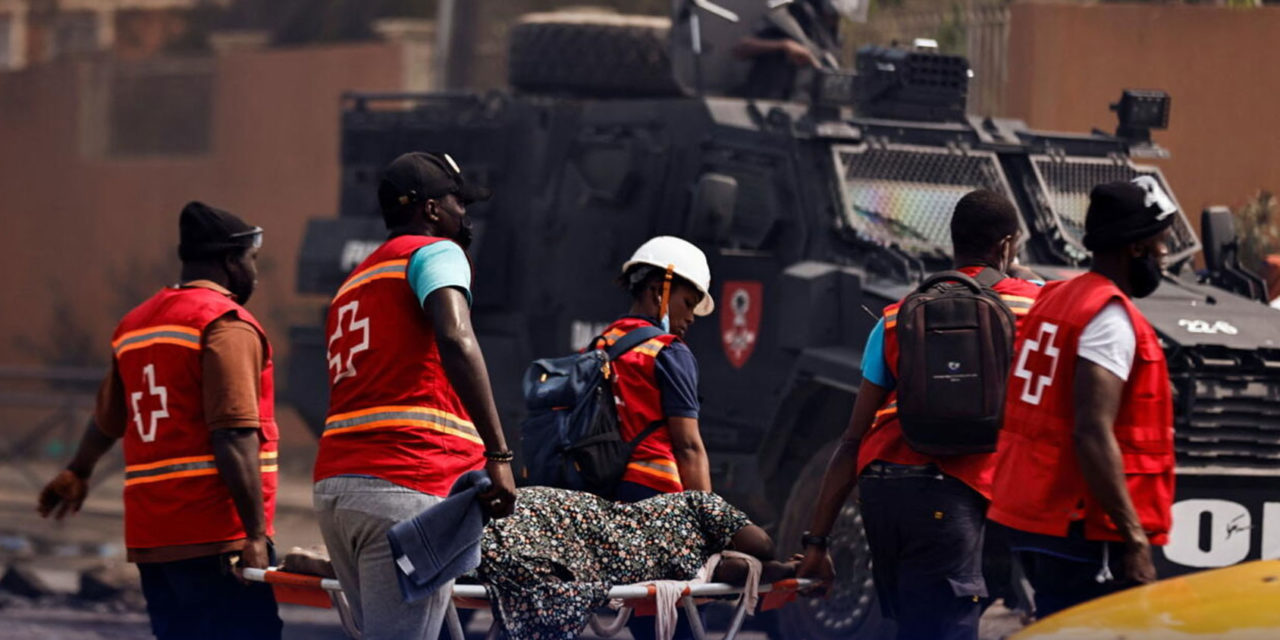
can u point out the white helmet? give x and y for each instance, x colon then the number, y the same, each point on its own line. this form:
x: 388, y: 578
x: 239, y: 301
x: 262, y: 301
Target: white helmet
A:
x: 685, y: 260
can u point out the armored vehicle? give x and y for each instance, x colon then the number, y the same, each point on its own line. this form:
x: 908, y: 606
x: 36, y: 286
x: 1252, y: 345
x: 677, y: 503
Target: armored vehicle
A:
x: 814, y: 215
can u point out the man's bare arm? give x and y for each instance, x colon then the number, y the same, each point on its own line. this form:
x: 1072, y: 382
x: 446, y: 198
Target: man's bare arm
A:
x: 1097, y: 397
x: 67, y: 491
x: 690, y: 454
x: 839, y: 480
x: 842, y: 469
x: 463, y: 362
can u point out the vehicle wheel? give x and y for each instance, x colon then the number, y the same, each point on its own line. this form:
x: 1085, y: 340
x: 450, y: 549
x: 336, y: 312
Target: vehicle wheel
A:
x: 591, y: 53
x: 851, y: 610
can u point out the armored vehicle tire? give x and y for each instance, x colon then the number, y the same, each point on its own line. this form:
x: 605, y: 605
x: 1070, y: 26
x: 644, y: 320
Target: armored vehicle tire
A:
x: 588, y: 53
x: 851, y: 610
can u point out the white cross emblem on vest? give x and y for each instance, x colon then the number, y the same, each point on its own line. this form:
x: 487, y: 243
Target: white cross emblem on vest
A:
x: 149, y: 376
x: 1035, y: 383
x: 347, y: 369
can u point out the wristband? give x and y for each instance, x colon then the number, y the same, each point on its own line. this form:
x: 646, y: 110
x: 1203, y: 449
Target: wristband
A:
x: 499, y: 456
x: 811, y: 540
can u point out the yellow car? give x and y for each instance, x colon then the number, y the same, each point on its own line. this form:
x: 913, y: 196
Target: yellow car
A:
x: 1236, y: 603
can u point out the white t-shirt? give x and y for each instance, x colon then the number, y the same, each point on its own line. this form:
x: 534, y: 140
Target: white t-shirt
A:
x: 1109, y: 340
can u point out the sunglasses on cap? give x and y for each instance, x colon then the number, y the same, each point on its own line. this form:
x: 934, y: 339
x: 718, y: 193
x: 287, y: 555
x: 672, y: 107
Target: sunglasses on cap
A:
x: 255, y: 235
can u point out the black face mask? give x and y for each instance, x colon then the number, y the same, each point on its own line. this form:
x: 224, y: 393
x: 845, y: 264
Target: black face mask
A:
x: 464, y: 235
x: 1144, y: 274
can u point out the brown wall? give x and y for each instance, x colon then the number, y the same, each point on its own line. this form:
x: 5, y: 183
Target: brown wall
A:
x: 142, y: 33
x: 86, y: 236
x: 1069, y: 62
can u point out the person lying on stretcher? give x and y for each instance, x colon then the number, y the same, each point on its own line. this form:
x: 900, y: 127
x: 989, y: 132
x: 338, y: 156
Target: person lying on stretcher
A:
x: 553, y: 561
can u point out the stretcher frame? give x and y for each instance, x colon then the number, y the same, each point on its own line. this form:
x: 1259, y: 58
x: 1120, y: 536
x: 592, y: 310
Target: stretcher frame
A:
x: 317, y: 591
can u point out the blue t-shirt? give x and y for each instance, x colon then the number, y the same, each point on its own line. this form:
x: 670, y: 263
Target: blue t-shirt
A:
x: 676, y: 373
x: 875, y: 368
x: 438, y: 265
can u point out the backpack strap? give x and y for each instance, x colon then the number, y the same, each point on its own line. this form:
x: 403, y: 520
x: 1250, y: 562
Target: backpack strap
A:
x: 653, y: 426
x: 633, y: 339
x: 943, y: 277
x: 988, y: 278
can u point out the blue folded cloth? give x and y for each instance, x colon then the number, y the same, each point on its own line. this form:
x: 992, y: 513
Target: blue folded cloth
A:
x: 442, y: 542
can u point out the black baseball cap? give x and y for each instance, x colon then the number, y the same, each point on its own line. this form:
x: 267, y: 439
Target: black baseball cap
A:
x: 206, y: 232
x: 1124, y: 212
x: 419, y: 176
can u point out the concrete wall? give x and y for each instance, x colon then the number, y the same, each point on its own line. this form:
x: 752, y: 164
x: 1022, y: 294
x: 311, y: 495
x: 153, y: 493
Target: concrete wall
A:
x: 1069, y: 62
x: 87, y: 234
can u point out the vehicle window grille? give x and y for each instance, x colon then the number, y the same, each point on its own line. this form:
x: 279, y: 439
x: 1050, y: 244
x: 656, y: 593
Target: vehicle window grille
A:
x: 1067, y: 183
x: 904, y: 195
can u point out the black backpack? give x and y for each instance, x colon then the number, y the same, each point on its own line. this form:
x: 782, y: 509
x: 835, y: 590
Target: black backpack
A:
x: 570, y: 439
x: 955, y: 338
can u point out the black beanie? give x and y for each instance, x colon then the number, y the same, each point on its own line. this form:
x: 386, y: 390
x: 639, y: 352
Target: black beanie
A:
x: 205, y: 232
x: 1124, y: 212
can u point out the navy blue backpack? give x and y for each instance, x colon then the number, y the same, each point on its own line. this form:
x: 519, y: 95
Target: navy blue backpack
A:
x: 571, y: 439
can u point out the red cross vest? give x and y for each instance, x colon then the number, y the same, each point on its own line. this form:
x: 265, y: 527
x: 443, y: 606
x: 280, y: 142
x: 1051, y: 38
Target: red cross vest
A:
x: 639, y: 402
x: 172, y: 492
x: 884, y: 440
x: 1039, y: 487
x: 393, y: 413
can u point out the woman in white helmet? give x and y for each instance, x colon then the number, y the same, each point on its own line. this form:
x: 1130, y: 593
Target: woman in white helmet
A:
x: 656, y: 383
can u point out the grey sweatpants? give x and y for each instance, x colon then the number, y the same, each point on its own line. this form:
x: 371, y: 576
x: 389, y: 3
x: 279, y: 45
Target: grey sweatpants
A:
x: 355, y: 514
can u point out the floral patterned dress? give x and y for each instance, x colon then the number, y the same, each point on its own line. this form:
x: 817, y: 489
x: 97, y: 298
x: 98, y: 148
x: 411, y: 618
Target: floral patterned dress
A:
x: 553, y: 561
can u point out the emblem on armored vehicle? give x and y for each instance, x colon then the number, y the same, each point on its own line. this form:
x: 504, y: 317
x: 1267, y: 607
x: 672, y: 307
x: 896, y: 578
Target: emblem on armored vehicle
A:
x: 740, y: 320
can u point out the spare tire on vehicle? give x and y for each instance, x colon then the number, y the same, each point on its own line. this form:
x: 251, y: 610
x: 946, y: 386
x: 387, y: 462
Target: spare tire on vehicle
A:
x: 594, y: 54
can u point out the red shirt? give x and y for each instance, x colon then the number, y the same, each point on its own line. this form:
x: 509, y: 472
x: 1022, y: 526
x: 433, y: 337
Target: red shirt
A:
x: 885, y: 442
x: 1039, y: 486
x: 393, y: 414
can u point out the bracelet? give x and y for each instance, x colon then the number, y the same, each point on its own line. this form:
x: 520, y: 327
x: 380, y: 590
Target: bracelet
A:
x: 812, y: 540
x: 499, y: 456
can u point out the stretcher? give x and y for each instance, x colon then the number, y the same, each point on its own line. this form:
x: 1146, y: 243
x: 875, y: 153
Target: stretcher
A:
x: 637, y: 599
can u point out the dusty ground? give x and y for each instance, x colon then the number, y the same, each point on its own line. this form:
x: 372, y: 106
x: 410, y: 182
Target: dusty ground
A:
x: 94, y: 537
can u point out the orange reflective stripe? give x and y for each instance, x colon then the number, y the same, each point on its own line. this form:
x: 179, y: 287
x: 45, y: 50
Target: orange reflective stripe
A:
x: 1018, y: 304
x: 173, y: 334
x: 174, y: 328
x: 188, y: 473
x: 650, y: 348
x: 188, y: 467
x: 888, y: 409
x: 891, y: 318
x: 665, y: 469
x: 390, y: 269
x: 1017, y: 299
x: 401, y: 416
x: 167, y: 462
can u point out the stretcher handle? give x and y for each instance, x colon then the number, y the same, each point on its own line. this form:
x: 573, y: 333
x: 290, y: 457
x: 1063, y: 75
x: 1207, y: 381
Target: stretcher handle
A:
x: 271, y: 575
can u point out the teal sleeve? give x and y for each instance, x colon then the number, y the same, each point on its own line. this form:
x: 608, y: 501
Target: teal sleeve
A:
x: 874, y: 367
x: 437, y: 265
